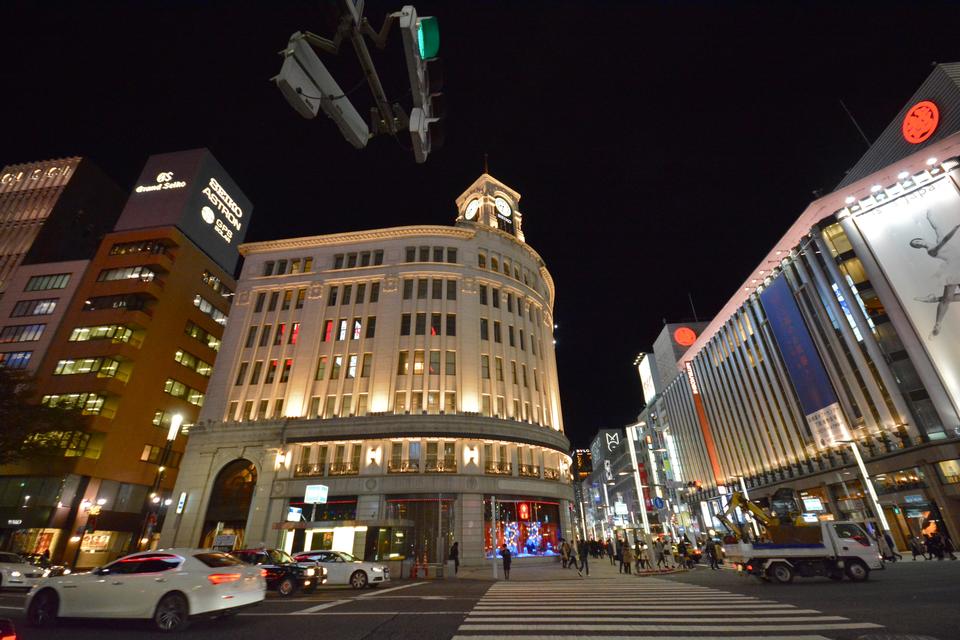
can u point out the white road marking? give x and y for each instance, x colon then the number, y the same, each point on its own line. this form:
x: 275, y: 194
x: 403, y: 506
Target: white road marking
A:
x: 319, y: 607
x: 379, y: 591
x: 634, y: 618
x: 673, y: 627
x: 697, y: 637
x: 362, y: 613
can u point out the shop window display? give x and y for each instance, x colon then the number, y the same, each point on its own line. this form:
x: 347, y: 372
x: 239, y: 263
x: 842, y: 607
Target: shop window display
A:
x: 527, y: 526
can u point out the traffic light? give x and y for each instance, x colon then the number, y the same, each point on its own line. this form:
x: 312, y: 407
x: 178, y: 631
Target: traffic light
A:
x: 421, y: 42
x: 309, y: 87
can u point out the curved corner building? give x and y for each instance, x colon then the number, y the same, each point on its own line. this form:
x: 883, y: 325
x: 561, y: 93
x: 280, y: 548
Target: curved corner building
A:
x: 385, y: 393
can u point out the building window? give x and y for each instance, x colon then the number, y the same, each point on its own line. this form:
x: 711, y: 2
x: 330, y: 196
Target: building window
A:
x: 451, y: 255
x: 351, y: 260
x: 294, y: 333
x: 278, y: 336
x: 15, y: 359
x: 422, y: 289
x: 522, y: 346
x: 347, y: 292
x: 88, y: 403
x: 285, y: 374
x: 345, y: 406
x: 281, y: 267
x: 405, y: 324
x: 451, y: 289
x: 410, y: 254
x: 332, y: 297
x: 48, y: 282
x: 141, y: 246
x: 435, y: 324
x: 434, y: 363
x: 287, y: 299
x: 365, y: 366
x: 400, y: 402
x: 192, y: 362
x: 268, y: 268
x: 509, y: 303
x: 301, y: 296
x: 21, y: 333
x: 194, y: 331
x: 338, y: 261
x: 34, y: 308
x: 481, y: 261
x: 483, y: 294
x: 536, y: 381
x: 371, y: 326
x: 257, y: 368
x: 337, y: 366
x: 201, y: 303
x: 484, y: 329
x: 485, y: 405
x: 328, y: 331
x: 330, y: 410
x: 513, y: 370
x: 403, y: 364
x: 451, y: 324
x: 523, y: 370
x: 510, y: 336
x: 421, y: 326
x: 375, y: 292
x: 378, y: 257
x: 496, y: 331
x: 144, y: 274
x: 407, y: 289
x: 274, y: 297
x: 437, y: 289
x: 424, y: 254
x: 438, y: 254
x: 258, y: 307
x: 321, y: 368
x: 499, y: 362
x: 179, y: 390
x: 251, y: 337
x: 271, y: 372
x: 418, y: 362
x: 342, y: 330
x: 351, y: 367
x: 451, y: 367
x: 364, y: 258
x: 416, y: 402
x: 113, y: 332
x: 361, y: 292
x: 485, y: 367
x: 308, y: 264
x: 450, y: 402
x: 357, y: 329
x: 496, y: 298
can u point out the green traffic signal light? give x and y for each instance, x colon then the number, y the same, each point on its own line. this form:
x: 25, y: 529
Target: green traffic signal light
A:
x: 428, y: 37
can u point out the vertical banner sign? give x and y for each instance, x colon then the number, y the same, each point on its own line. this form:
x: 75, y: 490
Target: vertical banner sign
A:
x: 916, y: 241
x: 816, y: 394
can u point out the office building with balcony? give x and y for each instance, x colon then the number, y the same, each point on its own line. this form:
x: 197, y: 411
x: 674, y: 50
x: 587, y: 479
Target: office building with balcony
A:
x: 133, y: 355
x: 386, y: 392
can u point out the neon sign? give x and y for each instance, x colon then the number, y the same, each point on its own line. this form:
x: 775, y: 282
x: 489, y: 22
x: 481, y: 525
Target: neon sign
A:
x: 920, y: 122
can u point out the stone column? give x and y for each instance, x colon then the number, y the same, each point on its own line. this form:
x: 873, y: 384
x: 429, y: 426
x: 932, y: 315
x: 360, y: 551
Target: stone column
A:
x: 469, y: 528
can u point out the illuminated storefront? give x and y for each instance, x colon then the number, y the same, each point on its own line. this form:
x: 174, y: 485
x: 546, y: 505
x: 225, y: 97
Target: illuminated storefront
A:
x: 527, y: 526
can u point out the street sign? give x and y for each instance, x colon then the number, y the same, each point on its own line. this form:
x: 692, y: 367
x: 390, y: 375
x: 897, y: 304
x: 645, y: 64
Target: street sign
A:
x: 316, y: 494
x: 620, y: 508
x: 658, y: 502
x: 294, y: 514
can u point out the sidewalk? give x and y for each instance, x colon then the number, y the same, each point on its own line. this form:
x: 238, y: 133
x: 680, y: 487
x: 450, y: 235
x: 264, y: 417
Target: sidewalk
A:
x: 540, y: 571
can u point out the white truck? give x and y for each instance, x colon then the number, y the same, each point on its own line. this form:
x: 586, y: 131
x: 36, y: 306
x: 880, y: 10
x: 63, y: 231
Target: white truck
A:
x: 844, y: 548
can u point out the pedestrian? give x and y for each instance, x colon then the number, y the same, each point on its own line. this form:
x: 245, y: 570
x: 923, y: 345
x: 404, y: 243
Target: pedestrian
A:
x: 627, y: 558
x: 711, y: 549
x: 643, y: 558
x: 914, y: 547
x: 455, y: 556
x: 948, y: 547
x: 507, y: 559
x: 45, y: 558
x: 935, y: 545
x: 658, y: 552
x: 564, y: 553
x: 682, y: 553
x: 583, y: 549
x: 891, y: 545
x: 620, y: 546
x: 610, y: 550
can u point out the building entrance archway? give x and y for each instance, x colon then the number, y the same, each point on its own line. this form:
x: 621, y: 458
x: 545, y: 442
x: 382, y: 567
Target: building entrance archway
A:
x: 229, y: 505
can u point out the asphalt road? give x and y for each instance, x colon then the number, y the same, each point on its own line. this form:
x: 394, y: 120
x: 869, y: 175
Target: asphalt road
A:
x: 907, y: 598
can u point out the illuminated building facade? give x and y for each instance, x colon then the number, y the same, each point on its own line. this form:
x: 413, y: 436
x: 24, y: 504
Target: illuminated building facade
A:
x: 408, y: 370
x: 134, y: 349
x: 842, y: 342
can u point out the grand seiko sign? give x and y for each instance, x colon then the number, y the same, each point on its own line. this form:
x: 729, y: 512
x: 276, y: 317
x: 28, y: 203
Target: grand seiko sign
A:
x: 164, y: 181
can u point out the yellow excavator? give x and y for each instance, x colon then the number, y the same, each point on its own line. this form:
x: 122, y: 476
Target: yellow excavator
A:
x: 784, y: 526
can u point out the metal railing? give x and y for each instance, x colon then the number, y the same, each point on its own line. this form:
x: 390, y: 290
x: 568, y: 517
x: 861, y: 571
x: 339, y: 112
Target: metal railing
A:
x: 499, y: 468
x: 441, y: 466
x: 343, y: 469
x: 551, y: 474
x: 403, y: 466
x: 309, y: 469
x: 530, y: 470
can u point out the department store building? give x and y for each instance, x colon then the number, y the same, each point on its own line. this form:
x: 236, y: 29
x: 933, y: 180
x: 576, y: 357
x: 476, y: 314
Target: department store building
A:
x: 385, y: 393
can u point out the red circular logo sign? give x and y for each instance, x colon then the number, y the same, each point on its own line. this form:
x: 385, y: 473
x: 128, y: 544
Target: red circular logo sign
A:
x: 920, y: 122
x: 685, y: 336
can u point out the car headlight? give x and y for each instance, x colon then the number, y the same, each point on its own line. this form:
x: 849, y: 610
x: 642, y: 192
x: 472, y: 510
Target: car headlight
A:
x: 311, y: 572
x: 378, y: 569
x: 15, y: 574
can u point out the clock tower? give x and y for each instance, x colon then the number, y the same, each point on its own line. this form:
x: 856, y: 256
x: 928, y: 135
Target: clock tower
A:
x: 490, y: 203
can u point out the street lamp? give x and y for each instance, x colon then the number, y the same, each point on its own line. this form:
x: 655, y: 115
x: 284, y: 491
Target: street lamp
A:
x: 868, y: 483
x: 631, y: 434
x: 151, y: 518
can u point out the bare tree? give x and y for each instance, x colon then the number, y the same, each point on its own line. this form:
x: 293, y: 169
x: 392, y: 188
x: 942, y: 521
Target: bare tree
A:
x: 27, y: 428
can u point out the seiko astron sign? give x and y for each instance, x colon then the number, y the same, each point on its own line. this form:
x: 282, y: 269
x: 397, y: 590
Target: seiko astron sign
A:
x: 192, y: 191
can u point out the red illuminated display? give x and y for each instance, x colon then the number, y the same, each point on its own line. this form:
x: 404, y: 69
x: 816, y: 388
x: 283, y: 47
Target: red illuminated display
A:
x: 523, y: 511
x: 920, y: 122
x: 685, y: 336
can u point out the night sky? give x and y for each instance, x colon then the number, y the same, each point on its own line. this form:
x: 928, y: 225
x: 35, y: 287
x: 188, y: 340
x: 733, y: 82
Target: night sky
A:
x: 660, y: 149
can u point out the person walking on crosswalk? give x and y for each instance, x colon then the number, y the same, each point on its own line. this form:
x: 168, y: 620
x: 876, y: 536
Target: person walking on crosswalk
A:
x: 627, y: 557
x: 583, y: 550
x: 507, y: 560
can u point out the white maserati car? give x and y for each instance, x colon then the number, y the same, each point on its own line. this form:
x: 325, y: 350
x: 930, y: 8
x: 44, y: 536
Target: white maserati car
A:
x: 168, y: 586
x: 17, y: 573
x: 343, y: 568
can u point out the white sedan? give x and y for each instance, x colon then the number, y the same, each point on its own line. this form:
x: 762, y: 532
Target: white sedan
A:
x: 168, y: 586
x: 343, y: 568
x: 17, y: 573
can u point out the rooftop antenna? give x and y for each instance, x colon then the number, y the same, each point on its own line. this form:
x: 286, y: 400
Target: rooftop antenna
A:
x: 692, y: 308
x: 856, y: 124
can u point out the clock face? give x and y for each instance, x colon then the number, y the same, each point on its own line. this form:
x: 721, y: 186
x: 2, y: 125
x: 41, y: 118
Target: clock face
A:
x: 471, y: 211
x: 503, y: 207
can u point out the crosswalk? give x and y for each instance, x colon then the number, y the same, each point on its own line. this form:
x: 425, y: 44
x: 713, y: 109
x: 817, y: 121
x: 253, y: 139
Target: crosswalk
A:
x: 642, y: 608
